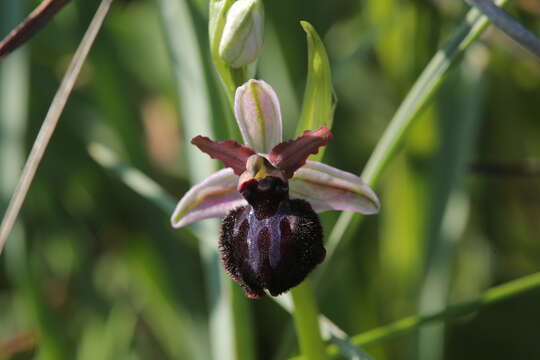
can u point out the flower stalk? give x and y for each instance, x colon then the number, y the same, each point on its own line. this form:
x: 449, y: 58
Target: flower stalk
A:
x: 306, y: 319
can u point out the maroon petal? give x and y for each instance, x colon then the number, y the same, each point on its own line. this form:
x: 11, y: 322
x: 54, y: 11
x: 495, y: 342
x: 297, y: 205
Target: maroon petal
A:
x: 229, y: 152
x: 289, y: 156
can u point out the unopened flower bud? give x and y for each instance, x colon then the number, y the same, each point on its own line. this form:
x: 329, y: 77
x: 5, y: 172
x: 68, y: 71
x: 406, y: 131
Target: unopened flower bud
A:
x: 241, y: 41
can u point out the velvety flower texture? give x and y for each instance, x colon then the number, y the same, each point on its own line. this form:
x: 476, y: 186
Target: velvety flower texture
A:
x: 269, y: 195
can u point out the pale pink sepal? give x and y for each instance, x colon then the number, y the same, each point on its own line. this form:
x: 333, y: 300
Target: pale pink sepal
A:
x: 214, y: 197
x: 327, y: 188
x: 258, y: 114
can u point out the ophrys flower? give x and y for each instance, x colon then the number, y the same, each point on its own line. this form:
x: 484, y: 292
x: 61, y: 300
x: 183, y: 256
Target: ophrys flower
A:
x: 269, y: 194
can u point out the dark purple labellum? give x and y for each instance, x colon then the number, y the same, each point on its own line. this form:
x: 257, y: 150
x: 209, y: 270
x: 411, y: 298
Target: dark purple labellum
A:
x: 272, y: 243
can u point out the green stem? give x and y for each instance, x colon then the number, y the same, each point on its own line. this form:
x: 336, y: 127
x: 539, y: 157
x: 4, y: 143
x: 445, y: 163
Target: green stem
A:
x: 306, y: 318
x: 492, y: 296
x: 244, y: 338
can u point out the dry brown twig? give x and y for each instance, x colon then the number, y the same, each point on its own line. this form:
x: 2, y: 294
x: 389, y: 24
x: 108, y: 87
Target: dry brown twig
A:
x: 32, y: 24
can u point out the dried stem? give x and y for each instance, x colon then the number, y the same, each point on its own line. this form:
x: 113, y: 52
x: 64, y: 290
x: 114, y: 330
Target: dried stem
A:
x: 50, y: 122
x: 32, y: 24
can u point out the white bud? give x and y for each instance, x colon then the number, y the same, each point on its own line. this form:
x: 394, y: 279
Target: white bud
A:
x: 241, y: 41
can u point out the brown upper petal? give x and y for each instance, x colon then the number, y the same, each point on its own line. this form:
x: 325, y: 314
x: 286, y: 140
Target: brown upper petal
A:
x: 289, y: 156
x: 229, y: 152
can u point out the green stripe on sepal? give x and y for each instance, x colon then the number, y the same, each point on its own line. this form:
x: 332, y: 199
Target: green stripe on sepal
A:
x: 319, y: 97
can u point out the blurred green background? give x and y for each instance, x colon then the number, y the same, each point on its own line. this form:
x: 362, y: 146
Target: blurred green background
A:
x: 93, y: 270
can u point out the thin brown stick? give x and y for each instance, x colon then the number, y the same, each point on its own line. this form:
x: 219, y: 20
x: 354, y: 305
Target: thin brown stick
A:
x: 50, y: 122
x: 35, y: 21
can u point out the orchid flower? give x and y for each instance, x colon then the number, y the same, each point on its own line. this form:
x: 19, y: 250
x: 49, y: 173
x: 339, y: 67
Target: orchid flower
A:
x: 269, y: 195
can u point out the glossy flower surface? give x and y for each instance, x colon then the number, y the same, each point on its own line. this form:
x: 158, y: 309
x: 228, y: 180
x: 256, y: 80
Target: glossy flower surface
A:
x: 269, y: 195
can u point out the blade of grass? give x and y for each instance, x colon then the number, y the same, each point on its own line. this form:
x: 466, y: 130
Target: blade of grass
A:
x: 460, y: 115
x: 492, y: 296
x: 50, y: 122
x: 35, y: 21
x: 412, y: 106
x: 139, y: 183
x: 306, y: 315
x: 133, y: 178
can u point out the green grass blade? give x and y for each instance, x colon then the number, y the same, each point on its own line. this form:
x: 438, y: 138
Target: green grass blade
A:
x: 418, y: 97
x: 422, y: 92
x: 492, y: 296
x: 306, y: 318
x: 136, y: 180
x: 460, y: 114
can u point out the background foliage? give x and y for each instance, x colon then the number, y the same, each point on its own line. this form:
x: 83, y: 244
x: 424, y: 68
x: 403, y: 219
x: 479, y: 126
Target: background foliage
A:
x: 94, y: 271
